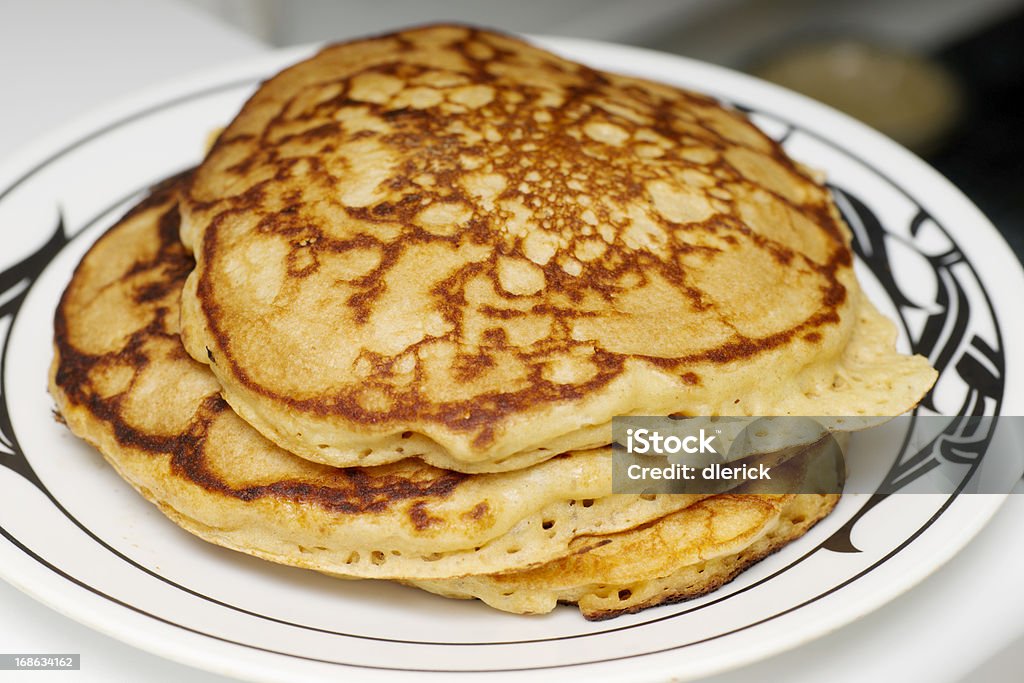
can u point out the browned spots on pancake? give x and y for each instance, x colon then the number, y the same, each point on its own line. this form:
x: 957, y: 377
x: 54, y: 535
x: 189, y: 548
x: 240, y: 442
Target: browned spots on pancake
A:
x: 421, y: 517
x: 478, y: 511
x: 149, y: 292
x: 502, y: 313
x: 475, y: 144
x: 469, y: 365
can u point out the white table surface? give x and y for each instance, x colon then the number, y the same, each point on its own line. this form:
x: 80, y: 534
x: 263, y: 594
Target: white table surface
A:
x: 60, y: 58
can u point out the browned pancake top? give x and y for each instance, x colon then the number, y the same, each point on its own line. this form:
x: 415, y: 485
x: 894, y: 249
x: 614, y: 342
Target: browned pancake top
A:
x: 450, y: 233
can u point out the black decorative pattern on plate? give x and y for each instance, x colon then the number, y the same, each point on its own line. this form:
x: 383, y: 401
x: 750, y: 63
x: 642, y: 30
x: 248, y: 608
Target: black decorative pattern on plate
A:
x: 15, y: 283
x: 948, y: 338
x: 941, y: 339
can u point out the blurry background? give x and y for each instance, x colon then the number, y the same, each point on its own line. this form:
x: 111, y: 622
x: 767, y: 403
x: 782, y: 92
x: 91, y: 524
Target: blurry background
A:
x: 943, y: 77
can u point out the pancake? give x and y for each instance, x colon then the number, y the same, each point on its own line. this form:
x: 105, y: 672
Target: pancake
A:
x: 123, y: 382
x: 448, y: 243
x: 683, y: 556
x: 679, y: 557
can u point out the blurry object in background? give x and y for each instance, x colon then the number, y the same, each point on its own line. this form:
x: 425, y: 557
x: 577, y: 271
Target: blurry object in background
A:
x: 910, y: 98
x: 289, y: 22
x: 985, y: 154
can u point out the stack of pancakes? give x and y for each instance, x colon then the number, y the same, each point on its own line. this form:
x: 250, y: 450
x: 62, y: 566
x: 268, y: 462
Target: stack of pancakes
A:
x: 382, y: 330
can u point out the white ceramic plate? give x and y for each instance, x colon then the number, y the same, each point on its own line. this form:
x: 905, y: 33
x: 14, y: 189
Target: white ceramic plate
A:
x: 79, y: 539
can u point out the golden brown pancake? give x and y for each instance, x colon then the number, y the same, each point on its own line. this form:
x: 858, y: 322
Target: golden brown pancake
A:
x: 680, y: 557
x: 123, y: 382
x: 448, y: 243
